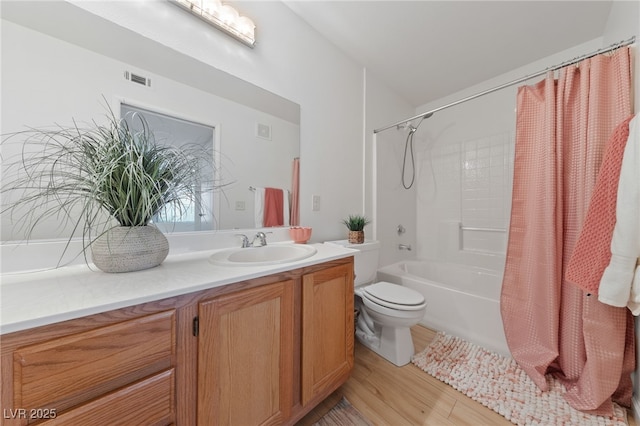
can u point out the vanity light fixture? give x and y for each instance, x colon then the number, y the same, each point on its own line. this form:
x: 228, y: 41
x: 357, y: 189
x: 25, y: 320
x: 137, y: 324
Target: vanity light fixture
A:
x: 222, y: 16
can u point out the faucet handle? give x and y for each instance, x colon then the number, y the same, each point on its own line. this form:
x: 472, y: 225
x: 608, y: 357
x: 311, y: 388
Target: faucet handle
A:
x: 245, y: 240
x: 262, y: 237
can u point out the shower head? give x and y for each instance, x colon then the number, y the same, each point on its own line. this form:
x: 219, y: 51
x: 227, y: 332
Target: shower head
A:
x: 411, y: 127
x: 407, y: 125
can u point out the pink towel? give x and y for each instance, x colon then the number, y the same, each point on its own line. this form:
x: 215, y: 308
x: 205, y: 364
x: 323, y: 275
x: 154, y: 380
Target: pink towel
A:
x: 273, y: 207
x: 592, y: 251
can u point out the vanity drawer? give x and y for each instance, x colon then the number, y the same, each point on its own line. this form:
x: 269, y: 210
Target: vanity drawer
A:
x: 150, y: 401
x: 71, y: 370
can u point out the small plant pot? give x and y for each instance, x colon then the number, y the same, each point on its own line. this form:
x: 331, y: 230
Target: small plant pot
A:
x: 356, y: 237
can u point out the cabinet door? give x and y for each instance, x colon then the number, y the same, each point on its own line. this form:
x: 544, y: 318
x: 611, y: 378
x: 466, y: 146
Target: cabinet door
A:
x: 327, y: 331
x: 245, y: 357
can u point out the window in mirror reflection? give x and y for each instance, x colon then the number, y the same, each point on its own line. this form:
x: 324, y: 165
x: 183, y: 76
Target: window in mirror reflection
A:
x: 176, y: 132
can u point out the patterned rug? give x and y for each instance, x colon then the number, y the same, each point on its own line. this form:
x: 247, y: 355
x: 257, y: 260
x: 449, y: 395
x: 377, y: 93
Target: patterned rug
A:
x: 500, y: 384
x: 343, y: 414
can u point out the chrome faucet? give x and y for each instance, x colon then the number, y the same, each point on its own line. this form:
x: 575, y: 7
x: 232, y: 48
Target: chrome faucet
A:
x: 404, y: 247
x: 245, y: 240
x: 262, y: 239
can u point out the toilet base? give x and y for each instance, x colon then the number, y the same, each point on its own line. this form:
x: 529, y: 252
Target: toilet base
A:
x: 394, y: 344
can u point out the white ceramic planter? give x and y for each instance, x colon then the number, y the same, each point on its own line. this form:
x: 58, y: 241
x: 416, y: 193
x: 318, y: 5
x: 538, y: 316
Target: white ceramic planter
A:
x: 127, y: 249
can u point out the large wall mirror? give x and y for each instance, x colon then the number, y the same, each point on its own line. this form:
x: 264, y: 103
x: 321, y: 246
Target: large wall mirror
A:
x: 62, y: 63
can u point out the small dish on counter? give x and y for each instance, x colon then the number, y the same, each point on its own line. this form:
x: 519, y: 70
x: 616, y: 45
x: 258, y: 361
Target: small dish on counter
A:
x: 300, y: 234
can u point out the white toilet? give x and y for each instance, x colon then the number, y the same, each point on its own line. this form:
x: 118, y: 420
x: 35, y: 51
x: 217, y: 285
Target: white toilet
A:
x: 387, y: 311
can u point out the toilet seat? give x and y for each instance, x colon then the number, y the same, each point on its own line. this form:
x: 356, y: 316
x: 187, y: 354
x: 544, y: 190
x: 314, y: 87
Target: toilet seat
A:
x: 394, y: 296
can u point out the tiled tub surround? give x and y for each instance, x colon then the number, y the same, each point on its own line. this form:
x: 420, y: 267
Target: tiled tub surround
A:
x: 463, y: 207
x: 465, y: 190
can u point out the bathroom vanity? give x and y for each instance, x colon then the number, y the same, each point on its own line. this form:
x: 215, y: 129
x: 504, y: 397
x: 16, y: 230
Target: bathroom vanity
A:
x: 186, y: 343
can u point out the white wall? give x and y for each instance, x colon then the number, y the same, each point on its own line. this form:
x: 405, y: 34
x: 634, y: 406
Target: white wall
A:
x: 386, y: 202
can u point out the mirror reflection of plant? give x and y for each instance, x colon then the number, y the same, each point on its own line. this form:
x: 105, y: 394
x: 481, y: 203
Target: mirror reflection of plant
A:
x: 75, y: 175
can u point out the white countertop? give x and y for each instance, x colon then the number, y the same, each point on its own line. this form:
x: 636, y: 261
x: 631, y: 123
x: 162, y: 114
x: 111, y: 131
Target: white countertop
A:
x: 32, y: 299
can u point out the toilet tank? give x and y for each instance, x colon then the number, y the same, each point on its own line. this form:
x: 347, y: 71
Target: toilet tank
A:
x: 365, y: 261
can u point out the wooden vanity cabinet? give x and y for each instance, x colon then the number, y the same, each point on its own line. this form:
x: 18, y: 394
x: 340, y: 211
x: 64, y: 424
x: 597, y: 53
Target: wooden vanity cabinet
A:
x: 257, y: 352
x: 116, y: 368
x: 269, y: 353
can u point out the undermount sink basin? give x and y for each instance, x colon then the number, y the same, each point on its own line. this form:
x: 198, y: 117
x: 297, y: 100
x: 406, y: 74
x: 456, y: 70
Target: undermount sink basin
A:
x: 266, y: 255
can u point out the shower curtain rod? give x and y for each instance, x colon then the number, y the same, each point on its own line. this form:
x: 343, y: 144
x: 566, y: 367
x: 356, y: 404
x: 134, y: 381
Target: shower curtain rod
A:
x: 511, y: 83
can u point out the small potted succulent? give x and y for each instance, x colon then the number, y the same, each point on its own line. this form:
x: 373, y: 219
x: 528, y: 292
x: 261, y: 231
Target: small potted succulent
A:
x: 355, y: 224
x: 107, y: 182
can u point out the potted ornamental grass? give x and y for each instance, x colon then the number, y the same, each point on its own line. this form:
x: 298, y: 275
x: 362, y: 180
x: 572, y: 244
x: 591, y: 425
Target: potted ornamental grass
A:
x: 355, y: 224
x: 106, y: 182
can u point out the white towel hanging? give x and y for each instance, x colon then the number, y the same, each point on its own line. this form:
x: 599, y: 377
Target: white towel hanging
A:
x: 258, y: 196
x: 620, y: 283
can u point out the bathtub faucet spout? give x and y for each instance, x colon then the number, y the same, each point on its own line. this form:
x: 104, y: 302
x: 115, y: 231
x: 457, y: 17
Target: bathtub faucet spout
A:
x: 404, y: 247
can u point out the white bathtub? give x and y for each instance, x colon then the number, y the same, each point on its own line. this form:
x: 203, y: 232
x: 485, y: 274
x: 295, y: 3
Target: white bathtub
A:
x: 463, y: 301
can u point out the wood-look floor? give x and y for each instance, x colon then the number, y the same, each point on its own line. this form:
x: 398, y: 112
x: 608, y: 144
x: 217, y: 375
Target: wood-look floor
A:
x: 399, y: 396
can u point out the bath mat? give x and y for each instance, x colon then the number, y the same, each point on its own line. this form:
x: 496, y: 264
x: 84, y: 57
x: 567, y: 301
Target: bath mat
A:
x: 500, y: 384
x: 343, y: 414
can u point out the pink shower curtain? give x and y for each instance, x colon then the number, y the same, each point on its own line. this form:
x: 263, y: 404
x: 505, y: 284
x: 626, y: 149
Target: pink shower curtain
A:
x: 553, y: 327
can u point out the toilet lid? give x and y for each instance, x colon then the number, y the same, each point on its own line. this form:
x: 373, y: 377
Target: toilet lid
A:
x: 394, y: 295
